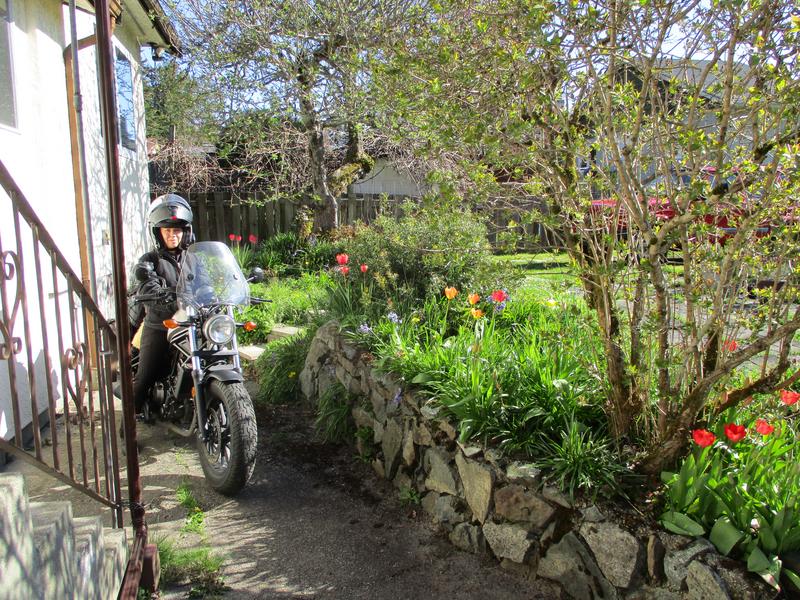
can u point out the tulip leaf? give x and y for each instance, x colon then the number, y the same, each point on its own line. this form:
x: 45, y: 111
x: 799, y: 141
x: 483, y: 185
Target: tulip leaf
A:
x: 793, y: 577
x: 422, y: 378
x: 757, y: 562
x: 725, y: 536
x: 679, y: 523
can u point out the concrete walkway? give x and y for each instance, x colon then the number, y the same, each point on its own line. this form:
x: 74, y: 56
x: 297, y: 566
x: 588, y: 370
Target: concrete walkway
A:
x: 313, y: 523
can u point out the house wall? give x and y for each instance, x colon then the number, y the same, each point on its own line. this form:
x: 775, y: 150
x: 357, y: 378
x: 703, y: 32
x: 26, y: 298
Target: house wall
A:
x: 386, y: 179
x: 37, y: 153
x: 133, y: 163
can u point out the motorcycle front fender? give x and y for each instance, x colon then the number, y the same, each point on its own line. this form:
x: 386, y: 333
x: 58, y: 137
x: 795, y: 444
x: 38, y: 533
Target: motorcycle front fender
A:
x: 223, y: 373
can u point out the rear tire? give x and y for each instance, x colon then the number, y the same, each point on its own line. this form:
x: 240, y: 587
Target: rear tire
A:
x: 228, y: 455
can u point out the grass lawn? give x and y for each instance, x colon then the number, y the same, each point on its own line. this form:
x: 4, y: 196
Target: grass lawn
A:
x: 542, y: 271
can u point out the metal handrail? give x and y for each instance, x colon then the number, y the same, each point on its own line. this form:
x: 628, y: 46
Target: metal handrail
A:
x: 77, y: 349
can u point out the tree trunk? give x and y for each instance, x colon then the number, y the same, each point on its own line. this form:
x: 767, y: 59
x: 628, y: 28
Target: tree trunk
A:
x: 324, y: 202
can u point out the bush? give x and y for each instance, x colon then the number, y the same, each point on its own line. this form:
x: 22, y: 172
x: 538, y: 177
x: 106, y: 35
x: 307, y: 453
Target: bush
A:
x: 333, y: 422
x: 423, y: 251
x: 278, y: 368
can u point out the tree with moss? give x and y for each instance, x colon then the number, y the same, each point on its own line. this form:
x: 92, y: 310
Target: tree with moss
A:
x: 304, y: 66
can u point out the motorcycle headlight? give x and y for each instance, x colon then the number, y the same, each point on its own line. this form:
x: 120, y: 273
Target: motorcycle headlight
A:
x: 219, y: 329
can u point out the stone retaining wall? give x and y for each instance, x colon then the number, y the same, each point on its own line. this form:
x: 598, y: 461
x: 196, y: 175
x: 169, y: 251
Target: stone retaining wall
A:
x: 489, y: 505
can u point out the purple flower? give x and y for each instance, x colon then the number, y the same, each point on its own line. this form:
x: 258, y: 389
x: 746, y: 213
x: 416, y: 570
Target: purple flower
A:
x: 499, y: 307
x: 397, y: 397
x: 394, y: 317
x: 364, y: 328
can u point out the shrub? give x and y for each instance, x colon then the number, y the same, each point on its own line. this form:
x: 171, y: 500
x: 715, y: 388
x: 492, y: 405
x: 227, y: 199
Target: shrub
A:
x: 507, y: 377
x: 423, y: 251
x: 279, y: 367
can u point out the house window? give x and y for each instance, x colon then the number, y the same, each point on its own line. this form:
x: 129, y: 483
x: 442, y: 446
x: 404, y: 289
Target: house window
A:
x: 8, y: 112
x: 127, y: 122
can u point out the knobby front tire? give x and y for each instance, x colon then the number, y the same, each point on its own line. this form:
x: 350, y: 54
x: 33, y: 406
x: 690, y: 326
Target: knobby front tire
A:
x: 228, y: 455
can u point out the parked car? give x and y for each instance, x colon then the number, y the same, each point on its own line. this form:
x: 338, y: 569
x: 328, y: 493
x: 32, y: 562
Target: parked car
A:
x: 716, y: 224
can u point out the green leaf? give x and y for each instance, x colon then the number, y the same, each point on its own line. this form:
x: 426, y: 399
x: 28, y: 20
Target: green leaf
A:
x: 793, y: 577
x: 422, y: 378
x: 681, y: 524
x: 725, y: 536
x: 667, y: 476
x: 757, y: 562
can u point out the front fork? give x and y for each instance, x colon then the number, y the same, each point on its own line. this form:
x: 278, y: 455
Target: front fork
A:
x: 197, y: 375
x: 197, y: 380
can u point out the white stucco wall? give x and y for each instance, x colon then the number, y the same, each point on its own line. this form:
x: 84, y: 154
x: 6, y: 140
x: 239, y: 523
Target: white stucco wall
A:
x: 37, y: 153
x: 133, y: 164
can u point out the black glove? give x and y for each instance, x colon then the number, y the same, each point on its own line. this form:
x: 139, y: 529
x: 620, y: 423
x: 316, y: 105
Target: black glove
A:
x: 155, y: 289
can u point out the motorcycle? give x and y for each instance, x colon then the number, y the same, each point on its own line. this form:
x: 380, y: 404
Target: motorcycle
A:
x: 203, y: 393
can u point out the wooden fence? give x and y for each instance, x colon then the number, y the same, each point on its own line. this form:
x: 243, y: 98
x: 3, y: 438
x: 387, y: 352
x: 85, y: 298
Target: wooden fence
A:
x: 218, y: 214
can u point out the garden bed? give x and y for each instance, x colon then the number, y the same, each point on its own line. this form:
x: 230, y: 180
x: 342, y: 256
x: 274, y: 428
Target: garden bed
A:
x: 490, y: 504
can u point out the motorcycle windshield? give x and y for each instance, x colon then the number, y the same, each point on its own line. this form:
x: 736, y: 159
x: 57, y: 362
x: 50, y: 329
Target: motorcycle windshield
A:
x: 210, y: 275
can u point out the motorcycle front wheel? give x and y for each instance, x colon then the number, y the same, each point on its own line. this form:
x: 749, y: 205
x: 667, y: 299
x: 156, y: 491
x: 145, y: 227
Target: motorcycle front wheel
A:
x: 228, y: 454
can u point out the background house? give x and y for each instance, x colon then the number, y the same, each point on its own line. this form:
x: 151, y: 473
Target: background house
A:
x: 40, y: 149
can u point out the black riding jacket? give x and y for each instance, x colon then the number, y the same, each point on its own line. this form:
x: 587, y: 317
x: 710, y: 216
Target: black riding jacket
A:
x: 163, y: 266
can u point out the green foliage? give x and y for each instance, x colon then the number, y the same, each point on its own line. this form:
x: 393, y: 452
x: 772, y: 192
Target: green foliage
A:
x: 582, y: 461
x: 743, y: 495
x: 409, y: 496
x: 290, y: 254
x: 423, y: 251
x: 198, y: 565
x: 174, y: 98
x: 244, y: 255
x: 333, y: 422
x: 293, y: 302
x: 195, y: 519
x: 279, y: 367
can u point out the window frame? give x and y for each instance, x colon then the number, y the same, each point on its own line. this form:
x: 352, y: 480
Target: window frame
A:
x: 5, y: 23
x: 120, y: 54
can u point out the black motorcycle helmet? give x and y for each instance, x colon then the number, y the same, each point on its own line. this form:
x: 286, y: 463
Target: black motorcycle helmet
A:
x: 170, y: 210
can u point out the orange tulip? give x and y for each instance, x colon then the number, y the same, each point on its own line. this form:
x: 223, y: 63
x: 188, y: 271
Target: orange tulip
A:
x: 473, y: 298
x: 476, y: 313
x: 450, y: 292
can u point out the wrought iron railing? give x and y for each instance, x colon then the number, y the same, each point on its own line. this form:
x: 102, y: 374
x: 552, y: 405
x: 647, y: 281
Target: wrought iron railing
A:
x: 59, y: 352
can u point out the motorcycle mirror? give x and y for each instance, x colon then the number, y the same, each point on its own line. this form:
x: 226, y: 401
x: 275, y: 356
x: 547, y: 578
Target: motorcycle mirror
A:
x: 256, y: 275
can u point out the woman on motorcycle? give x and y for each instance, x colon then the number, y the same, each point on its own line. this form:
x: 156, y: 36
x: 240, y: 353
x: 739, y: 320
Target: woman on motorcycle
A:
x: 170, y: 225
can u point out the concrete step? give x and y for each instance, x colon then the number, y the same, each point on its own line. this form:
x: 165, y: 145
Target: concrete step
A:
x: 89, y: 550
x: 54, y: 538
x: 17, y: 552
x: 115, y: 560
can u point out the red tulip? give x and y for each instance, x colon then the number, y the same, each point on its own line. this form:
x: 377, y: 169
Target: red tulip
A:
x: 252, y: 238
x: 763, y: 427
x: 364, y: 268
x: 789, y: 397
x: 344, y: 270
x: 238, y: 238
x: 231, y: 236
x: 735, y: 433
x: 703, y: 438
x: 730, y: 345
x: 342, y: 259
x: 499, y: 296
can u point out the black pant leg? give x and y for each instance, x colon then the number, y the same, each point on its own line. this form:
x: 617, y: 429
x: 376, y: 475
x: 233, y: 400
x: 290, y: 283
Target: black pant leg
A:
x: 153, y: 362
